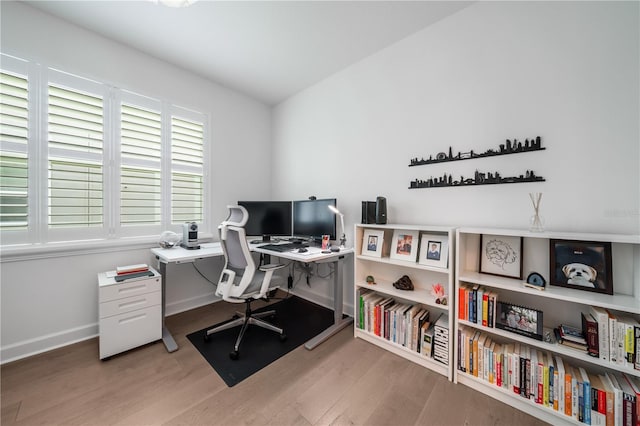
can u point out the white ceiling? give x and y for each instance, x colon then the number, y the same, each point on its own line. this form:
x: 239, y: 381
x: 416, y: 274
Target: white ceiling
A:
x: 269, y: 50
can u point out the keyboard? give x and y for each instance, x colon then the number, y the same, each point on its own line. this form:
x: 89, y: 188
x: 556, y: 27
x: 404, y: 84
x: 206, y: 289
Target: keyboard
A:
x: 283, y: 247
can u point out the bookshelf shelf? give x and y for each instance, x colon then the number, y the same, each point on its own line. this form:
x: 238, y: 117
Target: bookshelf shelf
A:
x: 558, y: 304
x: 386, y: 270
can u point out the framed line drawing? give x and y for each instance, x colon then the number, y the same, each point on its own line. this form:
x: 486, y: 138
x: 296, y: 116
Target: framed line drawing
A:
x: 434, y: 250
x: 582, y: 265
x: 404, y: 245
x: 501, y: 255
x: 372, y: 241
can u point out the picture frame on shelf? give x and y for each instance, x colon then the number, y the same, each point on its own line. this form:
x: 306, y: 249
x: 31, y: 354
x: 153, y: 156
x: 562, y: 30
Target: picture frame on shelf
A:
x: 434, y: 250
x: 581, y: 265
x: 404, y: 245
x: 372, y: 241
x: 501, y: 255
x: 520, y: 320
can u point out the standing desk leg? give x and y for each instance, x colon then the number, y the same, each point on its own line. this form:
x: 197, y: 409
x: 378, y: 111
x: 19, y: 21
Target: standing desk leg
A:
x: 338, y: 322
x: 167, y: 338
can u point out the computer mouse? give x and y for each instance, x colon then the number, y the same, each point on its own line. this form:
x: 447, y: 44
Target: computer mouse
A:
x: 302, y: 250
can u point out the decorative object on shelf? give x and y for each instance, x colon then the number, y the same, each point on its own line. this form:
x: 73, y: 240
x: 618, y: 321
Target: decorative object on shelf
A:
x: 404, y: 283
x: 520, y: 320
x: 480, y: 178
x: 169, y: 239
x: 372, y: 242
x: 343, y: 238
x: 437, y: 291
x: 536, y: 223
x: 501, y: 255
x: 404, y: 245
x: 434, y: 250
x: 582, y: 265
x: 535, y: 280
x: 508, y: 147
x: 370, y: 280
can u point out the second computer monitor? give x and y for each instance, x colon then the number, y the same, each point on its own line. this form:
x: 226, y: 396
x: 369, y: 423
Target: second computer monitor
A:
x: 268, y: 218
x: 313, y: 219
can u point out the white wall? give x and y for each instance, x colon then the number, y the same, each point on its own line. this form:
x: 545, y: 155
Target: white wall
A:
x: 566, y: 71
x: 50, y: 301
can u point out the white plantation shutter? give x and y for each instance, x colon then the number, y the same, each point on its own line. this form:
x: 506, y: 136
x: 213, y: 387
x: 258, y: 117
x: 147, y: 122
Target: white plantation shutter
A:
x: 187, y: 170
x: 82, y: 160
x: 75, y: 174
x: 140, y: 176
x: 14, y: 131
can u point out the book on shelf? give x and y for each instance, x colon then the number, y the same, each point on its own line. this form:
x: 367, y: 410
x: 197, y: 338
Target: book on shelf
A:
x: 561, y: 385
x: 598, y: 400
x: 634, y: 384
x: 586, y: 392
x: 613, y: 337
x: 629, y: 400
x: 610, y: 399
x: 602, y: 319
x: 590, y: 332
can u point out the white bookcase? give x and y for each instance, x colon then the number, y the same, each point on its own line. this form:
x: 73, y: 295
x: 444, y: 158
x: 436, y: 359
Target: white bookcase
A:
x: 559, y: 304
x: 386, y: 270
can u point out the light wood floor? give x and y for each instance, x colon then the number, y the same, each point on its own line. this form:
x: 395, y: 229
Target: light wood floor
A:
x: 344, y: 381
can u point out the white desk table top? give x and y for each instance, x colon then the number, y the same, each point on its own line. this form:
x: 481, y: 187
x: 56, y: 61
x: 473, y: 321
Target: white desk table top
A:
x: 180, y: 254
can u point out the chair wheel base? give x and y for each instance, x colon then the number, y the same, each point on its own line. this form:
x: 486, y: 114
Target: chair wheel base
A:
x: 206, y: 337
x: 283, y: 337
x: 234, y: 355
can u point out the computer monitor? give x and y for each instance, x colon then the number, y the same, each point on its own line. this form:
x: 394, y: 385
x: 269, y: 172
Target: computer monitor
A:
x: 313, y: 219
x: 268, y: 219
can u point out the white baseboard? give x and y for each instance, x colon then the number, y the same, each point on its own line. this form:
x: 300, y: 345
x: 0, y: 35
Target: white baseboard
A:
x: 46, y: 343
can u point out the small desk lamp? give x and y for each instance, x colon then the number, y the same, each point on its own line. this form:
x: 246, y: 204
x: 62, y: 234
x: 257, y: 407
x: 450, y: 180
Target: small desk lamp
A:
x: 343, y: 238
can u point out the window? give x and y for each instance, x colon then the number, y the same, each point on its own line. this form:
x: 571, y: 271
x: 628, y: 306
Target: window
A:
x: 14, y: 160
x: 108, y: 163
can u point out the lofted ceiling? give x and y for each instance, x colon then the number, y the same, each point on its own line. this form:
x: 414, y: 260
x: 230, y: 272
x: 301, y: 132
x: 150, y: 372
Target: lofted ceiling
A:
x: 269, y: 50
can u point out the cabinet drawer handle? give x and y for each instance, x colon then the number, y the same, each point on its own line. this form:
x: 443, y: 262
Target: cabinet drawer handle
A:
x: 131, y: 319
x: 130, y: 289
x: 132, y: 303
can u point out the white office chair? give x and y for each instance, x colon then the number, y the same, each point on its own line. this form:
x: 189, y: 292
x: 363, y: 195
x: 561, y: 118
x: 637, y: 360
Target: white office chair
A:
x: 240, y: 280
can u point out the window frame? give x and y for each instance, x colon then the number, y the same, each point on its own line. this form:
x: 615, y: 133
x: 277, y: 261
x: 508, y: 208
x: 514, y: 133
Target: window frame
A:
x: 38, y: 232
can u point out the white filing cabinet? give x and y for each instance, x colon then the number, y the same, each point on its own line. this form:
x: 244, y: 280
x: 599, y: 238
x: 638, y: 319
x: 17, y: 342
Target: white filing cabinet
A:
x: 130, y: 312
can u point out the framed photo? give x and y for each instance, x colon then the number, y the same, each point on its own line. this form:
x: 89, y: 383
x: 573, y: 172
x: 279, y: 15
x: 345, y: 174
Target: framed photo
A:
x: 434, y: 250
x: 520, y: 320
x: 501, y: 255
x: 372, y: 240
x: 582, y: 265
x: 404, y: 245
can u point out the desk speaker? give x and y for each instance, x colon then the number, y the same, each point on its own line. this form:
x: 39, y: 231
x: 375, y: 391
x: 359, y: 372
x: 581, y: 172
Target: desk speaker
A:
x: 368, y: 212
x: 381, y: 211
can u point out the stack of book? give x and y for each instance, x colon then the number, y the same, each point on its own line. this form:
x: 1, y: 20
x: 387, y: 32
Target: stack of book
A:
x: 617, y: 337
x: 571, y: 337
x: 441, y: 340
x: 132, y: 271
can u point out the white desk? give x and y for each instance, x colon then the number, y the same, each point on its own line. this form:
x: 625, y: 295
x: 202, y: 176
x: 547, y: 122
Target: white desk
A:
x: 314, y: 255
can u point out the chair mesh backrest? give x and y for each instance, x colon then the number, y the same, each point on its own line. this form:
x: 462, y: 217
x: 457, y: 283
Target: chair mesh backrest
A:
x: 234, y: 241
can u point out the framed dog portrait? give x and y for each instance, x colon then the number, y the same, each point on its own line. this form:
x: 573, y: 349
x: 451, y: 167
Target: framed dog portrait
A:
x: 434, y: 250
x: 582, y: 265
x: 404, y: 245
x: 501, y: 255
x: 372, y: 240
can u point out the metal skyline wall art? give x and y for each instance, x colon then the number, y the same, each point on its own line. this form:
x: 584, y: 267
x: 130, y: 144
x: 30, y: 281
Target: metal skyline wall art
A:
x: 479, y: 178
x: 506, y: 148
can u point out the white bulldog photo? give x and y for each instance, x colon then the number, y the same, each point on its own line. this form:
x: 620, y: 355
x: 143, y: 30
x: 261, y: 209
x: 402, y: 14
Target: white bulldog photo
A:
x: 580, y: 274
